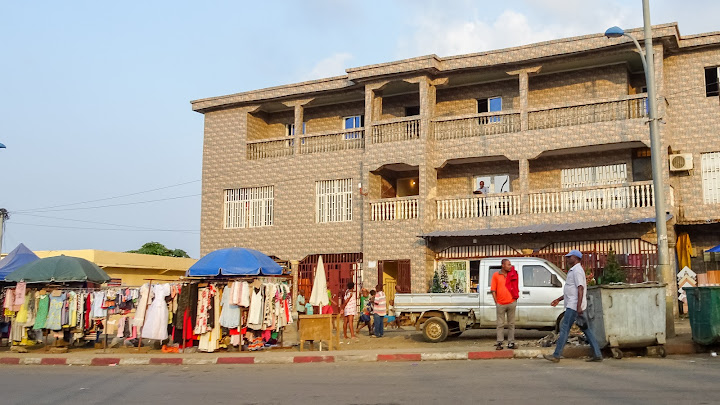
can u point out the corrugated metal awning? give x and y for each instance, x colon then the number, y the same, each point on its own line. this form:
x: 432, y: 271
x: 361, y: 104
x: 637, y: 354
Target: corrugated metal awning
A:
x: 541, y: 228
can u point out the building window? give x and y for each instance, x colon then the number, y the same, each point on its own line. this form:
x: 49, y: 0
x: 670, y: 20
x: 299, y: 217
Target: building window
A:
x: 411, y: 111
x: 491, y: 104
x: 333, y: 200
x: 498, y: 183
x: 290, y: 129
x: 594, y: 176
x: 249, y: 207
x: 711, y: 177
x: 353, y: 122
x: 712, y: 88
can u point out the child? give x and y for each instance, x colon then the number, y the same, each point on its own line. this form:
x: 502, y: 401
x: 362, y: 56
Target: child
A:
x: 366, y: 317
x: 391, y: 320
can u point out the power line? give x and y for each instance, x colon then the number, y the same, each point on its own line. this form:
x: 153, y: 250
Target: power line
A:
x: 110, y: 198
x: 107, y: 223
x: 105, y: 206
x: 105, y: 229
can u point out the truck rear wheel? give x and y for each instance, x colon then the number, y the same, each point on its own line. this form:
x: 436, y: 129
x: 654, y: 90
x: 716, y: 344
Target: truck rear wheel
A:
x: 435, y: 330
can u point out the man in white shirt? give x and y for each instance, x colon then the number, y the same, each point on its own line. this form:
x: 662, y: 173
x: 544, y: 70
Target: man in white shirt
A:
x: 575, y: 297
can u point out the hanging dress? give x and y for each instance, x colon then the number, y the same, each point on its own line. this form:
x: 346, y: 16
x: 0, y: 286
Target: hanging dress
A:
x: 210, y: 340
x: 142, y: 306
x: 156, y: 320
x: 256, y: 311
x: 230, y: 315
x: 53, y: 316
x: 203, y: 306
x: 42, y: 311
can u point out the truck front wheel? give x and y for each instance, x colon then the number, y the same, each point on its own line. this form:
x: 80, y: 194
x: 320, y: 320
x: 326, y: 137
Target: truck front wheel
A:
x: 435, y: 330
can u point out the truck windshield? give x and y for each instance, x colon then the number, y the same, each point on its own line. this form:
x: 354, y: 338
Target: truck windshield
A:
x: 559, y: 272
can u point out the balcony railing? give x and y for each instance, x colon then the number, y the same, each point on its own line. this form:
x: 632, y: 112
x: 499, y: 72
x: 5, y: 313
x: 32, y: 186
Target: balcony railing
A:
x: 634, y: 195
x: 627, y: 108
x: 392, y: 209
x: 401, y: 129
x: 270, y: 148
x: 467, y: 126
x: 333, y: 141
x: 479, y: 206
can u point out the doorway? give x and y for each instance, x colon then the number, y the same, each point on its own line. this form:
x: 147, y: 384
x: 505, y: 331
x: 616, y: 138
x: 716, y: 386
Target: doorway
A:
x: 392, y: 274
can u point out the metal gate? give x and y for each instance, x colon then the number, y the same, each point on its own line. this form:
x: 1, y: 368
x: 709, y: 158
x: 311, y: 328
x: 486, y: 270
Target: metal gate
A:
x: 339, y: 269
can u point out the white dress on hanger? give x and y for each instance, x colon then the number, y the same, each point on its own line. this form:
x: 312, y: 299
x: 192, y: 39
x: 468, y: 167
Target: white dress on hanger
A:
x: 156, y: 320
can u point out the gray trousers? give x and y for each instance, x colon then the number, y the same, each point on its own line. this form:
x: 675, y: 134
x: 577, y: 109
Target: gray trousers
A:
x: 508, y: 311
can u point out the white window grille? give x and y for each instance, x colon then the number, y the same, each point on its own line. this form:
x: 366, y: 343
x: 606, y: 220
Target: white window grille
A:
x: 594, y: 176
x: 250, y: 207
x: 711, y: 177
x: 333, y: 200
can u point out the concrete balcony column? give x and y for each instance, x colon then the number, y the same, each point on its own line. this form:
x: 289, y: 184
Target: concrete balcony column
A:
x: 523, y: 76
x: 524, y: 179
x: 299, y: 118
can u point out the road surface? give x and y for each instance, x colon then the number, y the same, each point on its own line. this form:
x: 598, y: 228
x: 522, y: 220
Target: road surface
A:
x: 691, y: 379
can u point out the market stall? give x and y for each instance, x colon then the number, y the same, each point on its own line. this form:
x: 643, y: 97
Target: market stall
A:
x: 243, y: 302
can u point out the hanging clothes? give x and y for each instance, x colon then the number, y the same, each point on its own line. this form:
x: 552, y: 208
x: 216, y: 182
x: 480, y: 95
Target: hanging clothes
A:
x: 19, y: 295
x: 230, y: 315
x: 203, y: 308
x: 54, y: 321
x: 156, y: 321
x: 255, y: 313
x: 97, y: 305
x: 43, y: 306
x: 142, y: 305
x: 210, y: 341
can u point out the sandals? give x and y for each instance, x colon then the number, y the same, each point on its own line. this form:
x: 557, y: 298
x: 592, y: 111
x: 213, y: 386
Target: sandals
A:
x: 511, y: 346
x: 498, y: 346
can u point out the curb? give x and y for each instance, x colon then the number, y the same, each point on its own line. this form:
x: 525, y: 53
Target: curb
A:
x: 680, y: 348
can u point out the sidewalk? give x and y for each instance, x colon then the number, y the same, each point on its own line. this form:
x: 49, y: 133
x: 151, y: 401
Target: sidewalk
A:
x: 398, y: 345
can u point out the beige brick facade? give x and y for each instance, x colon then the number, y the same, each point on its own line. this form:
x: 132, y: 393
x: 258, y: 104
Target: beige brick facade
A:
x: 566, y: 104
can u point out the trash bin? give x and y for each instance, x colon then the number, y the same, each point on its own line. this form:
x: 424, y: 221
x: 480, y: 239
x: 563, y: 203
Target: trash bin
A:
x: 704, y: 312
x: 627, y: 315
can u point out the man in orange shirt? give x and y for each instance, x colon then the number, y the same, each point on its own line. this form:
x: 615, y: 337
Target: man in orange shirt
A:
x: 505, y: 305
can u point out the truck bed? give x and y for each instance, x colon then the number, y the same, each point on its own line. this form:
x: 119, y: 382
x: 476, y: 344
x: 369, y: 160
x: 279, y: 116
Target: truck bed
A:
x: 449, y: 302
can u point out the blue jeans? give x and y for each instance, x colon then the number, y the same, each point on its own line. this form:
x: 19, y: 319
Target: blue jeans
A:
x: 378, y: 325
x: 567, y: 322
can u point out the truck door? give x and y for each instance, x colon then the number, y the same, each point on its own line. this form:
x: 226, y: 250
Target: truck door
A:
x: 488, y: 267
x: 536, y: 294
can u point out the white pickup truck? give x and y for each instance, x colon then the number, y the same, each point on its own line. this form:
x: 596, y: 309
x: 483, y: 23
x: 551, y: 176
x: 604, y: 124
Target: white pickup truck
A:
x: 440, y: 315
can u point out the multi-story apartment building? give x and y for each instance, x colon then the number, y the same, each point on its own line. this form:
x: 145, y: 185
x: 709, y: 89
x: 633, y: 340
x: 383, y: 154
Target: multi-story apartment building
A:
x: 395, y: 169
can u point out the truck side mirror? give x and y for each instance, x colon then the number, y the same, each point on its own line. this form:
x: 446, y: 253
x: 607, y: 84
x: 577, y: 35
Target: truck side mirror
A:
x: 555, y: 281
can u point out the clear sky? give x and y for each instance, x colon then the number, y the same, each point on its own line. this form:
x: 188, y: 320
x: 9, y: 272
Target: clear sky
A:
x: 95, y: 95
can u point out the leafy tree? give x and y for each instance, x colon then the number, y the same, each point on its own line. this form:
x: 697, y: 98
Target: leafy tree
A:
x: 613, y: 273
x: 158, y: 249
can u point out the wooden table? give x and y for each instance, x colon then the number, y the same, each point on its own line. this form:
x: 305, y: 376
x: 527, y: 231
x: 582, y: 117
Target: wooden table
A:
x: 318, y: 328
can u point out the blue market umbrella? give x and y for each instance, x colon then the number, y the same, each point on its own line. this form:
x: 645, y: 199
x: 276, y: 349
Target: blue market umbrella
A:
x: 234, y: 262
x: 19, y: 257
x: 715, y: 249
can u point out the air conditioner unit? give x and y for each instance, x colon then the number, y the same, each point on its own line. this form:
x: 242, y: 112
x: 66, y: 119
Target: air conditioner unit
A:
x: 680, y: 162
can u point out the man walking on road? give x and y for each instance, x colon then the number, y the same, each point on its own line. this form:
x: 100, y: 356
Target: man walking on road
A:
x: 575, y: 297
x: 504, y: 289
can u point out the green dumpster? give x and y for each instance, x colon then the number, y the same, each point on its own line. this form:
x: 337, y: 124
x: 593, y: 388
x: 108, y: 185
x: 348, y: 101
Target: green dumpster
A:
x: 704, y: 311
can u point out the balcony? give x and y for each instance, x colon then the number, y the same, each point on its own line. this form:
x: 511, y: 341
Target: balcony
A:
x: 270, y: 148
x: 467, y: 126
x: 333, y: 141
x: 634, y: 195
x: 392, y: 209
x: 479, y: 206
x: 628, y: 107
x: 396, y: 129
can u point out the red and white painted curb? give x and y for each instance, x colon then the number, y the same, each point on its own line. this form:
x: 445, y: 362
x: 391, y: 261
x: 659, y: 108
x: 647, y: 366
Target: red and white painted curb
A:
x: 179, y: 360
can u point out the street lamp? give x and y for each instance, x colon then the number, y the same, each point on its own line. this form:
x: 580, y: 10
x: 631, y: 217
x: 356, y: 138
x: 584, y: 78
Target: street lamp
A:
x: 663, y: 269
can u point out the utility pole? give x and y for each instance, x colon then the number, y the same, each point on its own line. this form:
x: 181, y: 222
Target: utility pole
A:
x: 664, y: 272
x: 3, y: 216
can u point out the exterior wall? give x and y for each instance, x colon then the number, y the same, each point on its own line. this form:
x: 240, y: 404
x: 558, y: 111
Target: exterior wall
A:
x: 330, y: 118
x: 692, y: 126
x: 578, y: 86
x: 457, y: 180
x: 545, y: 172
x: 463, y: 100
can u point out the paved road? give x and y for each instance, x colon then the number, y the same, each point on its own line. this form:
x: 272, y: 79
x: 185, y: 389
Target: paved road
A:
x: 629, y: 381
